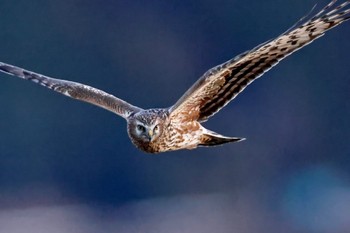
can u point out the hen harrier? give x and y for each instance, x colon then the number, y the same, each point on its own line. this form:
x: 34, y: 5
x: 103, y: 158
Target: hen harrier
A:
x: 179, y: 127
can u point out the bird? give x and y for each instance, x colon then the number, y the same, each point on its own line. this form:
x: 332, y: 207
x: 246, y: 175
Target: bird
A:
x: 180, y: 126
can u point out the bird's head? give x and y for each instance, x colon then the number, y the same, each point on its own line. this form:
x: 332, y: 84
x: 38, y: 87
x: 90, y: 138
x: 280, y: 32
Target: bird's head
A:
x: 146, y: 126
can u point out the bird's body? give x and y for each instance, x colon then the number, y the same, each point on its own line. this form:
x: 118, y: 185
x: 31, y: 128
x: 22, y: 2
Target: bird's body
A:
x: 176, y: 134
x: 179, y: 126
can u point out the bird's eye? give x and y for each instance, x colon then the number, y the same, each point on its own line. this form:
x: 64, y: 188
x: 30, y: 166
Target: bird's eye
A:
x: 141, y: 128
x: 156, y: 128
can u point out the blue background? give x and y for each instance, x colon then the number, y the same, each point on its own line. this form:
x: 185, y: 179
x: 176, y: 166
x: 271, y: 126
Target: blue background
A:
x: 66, y: 166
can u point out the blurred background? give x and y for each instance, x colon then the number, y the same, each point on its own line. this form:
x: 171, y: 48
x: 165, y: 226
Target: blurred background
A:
x: 66, y: 166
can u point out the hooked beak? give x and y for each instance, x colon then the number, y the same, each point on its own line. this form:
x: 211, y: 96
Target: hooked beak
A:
x: 150, y: 135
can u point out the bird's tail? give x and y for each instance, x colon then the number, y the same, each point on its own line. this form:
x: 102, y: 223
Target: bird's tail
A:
x: 214, y: 139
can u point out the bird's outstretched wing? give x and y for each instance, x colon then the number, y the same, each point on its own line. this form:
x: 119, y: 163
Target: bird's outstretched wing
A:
x: 75, y: 90
x: 219, y: 85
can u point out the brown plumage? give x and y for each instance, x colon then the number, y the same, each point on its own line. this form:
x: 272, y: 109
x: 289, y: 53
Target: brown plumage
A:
x: 178, y: 127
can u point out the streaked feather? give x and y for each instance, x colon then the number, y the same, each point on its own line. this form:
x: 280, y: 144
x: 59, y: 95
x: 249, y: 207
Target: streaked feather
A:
x: 75, y: 90
x: 219, y: 85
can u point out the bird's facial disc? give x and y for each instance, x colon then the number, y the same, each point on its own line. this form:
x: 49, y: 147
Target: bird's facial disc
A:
x: 148, y: 132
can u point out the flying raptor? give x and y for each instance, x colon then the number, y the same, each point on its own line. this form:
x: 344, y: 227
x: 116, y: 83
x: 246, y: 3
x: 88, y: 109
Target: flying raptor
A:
x: 179, y: 126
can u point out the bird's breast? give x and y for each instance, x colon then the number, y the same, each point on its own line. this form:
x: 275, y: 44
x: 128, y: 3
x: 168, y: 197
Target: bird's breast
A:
x: 175, y: 136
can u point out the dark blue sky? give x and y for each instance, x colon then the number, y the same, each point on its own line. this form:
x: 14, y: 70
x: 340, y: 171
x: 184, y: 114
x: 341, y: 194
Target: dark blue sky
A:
x: 295, y: 118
